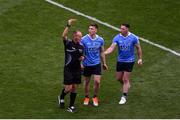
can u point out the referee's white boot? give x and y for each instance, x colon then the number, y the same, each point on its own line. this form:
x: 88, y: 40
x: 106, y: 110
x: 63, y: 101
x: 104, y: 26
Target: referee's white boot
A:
x: 123, y: 100
x: 71, y: 109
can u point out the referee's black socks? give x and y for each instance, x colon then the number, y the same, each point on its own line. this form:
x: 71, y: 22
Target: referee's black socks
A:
x: 72, y: 98
x: 63, y: 94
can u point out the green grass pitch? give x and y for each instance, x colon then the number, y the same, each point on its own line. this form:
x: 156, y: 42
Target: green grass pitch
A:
x: 32, y: 58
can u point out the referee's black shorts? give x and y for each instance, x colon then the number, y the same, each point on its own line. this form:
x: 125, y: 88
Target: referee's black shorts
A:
x: 92, y: 70
x: 72, y: 76
x: 124, y: 66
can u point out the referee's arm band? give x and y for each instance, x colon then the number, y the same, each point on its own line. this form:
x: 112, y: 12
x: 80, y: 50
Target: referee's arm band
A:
x: 68, y: 25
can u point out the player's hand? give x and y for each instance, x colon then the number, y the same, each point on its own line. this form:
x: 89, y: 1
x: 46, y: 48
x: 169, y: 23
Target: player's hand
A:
x: 105, y: 52
x: 81, y: 58
x: 71, y: 21
x: 105, y: 67
x: 140, y: 62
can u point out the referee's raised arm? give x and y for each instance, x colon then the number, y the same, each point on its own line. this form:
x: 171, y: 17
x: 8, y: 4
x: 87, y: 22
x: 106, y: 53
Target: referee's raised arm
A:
x: 66, y: 30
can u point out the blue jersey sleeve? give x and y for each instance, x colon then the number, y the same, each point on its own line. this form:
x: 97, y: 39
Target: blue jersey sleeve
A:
x: 136, y: 40
x: 82, y: 42
x: 115, y: 40
x: 102, y: 42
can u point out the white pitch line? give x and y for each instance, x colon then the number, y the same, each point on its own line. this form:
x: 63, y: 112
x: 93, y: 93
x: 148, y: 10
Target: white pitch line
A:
x: 110, y: 26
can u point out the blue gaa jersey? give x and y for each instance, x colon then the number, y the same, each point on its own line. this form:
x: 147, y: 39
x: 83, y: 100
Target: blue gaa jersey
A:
x: 126, y: 47
x: 92, y: 49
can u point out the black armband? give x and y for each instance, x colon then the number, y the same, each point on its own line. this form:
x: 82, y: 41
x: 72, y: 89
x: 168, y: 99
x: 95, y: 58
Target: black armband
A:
x: 68, y: 25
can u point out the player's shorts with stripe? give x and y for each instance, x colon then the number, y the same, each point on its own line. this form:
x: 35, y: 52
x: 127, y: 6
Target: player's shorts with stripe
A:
x: 92, y: 70
x: 72, y: 76
x: 124, y: 66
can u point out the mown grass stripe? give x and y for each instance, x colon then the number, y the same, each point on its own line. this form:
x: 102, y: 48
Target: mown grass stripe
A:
x: 112, y: 27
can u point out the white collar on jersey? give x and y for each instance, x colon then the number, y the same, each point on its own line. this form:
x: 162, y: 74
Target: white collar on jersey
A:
x: 129, y: 33
x: 91, y: 37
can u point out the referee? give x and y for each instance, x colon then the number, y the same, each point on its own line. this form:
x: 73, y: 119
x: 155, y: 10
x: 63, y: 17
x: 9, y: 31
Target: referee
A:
x: 72, y: 67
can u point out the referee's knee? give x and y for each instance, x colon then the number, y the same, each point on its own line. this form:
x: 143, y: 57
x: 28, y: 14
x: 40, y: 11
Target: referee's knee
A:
x: 68, y: 88
x: 73, y: 89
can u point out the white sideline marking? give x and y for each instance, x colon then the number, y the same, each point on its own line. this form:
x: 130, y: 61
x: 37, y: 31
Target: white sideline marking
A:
x: 110, y: 26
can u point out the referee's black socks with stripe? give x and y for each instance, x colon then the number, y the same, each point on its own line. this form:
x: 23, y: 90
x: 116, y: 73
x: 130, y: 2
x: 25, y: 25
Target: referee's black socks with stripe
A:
x: 72, y: 98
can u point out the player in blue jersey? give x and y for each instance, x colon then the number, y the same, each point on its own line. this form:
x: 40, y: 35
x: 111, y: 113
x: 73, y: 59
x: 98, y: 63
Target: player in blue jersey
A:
x: 126, y: 41
x: 93, y: 53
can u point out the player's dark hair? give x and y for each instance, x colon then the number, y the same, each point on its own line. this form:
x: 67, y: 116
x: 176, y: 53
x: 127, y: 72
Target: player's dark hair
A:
x: 126, y: 25
x: 94, y: 24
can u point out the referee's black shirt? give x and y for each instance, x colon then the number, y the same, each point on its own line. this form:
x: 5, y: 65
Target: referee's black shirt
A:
x: 73, y: 51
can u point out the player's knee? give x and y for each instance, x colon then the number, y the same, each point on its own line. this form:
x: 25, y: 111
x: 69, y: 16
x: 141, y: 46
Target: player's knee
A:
x: 87, y: 82
x: 126, y: 81
x: 97, y: 81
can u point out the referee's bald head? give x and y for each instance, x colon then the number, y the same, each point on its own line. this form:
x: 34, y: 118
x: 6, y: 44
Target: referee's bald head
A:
x: 77, y: 35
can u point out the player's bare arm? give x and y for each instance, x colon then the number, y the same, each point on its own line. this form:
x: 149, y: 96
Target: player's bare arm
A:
x: 103, y: 58
x: 82, y: 66
x: 66, y: 30
x: 139, y: 53
x: 81, y: 59
x: 110, y: 49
